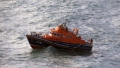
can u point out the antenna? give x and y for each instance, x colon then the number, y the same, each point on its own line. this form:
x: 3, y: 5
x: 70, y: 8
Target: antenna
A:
x: 65, y: 22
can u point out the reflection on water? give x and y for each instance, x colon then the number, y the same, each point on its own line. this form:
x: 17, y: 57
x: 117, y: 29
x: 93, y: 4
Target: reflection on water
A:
x: 60, y: 52
x: 59, y: 58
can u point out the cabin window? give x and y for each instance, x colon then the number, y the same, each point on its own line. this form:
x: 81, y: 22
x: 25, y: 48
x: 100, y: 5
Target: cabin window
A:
x: 60, y: 34
x: 57, y: 34
x: 68, y: 36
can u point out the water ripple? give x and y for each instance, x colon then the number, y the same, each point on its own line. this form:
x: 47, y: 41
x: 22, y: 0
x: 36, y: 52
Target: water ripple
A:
x: 97, y: 19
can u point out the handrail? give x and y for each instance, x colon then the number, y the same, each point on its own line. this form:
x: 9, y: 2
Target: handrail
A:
x: 75, y: 30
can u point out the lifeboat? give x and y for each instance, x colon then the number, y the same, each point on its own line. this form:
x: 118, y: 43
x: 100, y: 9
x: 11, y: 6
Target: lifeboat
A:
x: 60, y: 37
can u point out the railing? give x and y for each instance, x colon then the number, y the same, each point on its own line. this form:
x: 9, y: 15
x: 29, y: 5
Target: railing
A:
x: 36, y: 34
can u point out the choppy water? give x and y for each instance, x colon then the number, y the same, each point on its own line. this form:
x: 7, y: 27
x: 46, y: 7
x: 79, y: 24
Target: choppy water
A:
x: 99, y: 19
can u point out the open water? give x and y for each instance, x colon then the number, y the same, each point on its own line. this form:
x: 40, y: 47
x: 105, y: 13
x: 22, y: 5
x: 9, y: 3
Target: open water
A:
x: 97, y: 19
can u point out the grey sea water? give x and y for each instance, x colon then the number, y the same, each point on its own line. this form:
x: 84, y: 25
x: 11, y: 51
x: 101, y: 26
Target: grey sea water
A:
x: 97, y: 19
